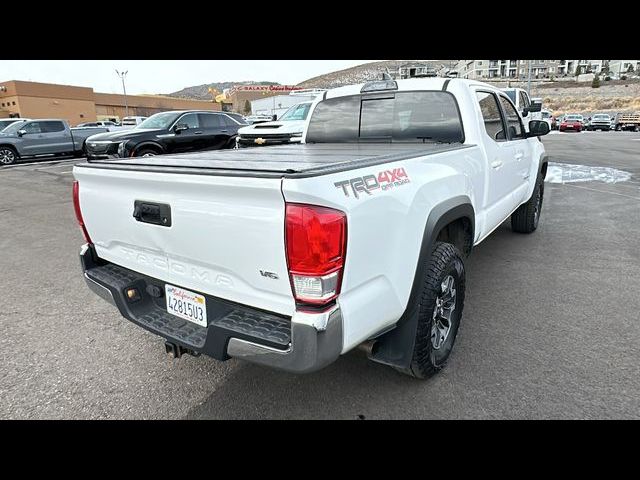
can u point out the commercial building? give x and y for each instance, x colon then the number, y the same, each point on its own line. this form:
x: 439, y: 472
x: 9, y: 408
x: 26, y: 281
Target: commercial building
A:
x: 278, y: 104
x: 240, y: 97
x: 82, y: 104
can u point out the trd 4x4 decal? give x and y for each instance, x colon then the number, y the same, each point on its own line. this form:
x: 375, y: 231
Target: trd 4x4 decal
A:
x: 384, y: 180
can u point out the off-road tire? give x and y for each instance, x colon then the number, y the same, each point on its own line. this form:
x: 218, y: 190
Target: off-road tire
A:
x: 446, y: 260
x: 525, y: 219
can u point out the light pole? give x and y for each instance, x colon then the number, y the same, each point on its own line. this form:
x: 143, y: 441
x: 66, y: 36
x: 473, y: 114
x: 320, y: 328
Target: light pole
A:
x: 529, y: 81
x: 126, y: 105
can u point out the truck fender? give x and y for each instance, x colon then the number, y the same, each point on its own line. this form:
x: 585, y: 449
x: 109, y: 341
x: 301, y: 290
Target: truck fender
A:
x: 395, y: 348
x: 542, y: 167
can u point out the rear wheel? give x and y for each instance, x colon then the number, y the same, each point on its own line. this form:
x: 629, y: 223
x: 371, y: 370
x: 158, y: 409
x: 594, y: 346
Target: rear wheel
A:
x: 525, y: 219
x: 8, y: 156
x: 439, y: 311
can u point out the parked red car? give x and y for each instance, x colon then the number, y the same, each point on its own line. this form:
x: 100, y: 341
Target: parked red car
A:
x: 571, y: 122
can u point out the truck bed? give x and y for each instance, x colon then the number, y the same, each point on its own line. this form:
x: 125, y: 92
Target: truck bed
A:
x: 290, y: 161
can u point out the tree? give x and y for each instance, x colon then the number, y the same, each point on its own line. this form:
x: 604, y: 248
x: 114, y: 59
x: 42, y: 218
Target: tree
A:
x: 595, y: 83
x: 247, y: 107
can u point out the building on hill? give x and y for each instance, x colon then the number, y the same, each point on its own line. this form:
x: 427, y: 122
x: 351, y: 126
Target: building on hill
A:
x: 519, y: 69
x: 81, y: 104
x: 416, y: 70
x: 620, y: 67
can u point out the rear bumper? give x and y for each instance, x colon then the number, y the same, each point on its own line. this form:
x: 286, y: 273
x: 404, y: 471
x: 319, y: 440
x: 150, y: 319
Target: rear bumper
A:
x: 304, y: 343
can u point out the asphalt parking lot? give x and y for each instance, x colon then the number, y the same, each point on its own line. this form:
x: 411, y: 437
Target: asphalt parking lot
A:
x: 551, y: 327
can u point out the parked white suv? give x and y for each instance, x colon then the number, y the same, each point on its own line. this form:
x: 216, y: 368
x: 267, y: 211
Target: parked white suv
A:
x: 293, y: 255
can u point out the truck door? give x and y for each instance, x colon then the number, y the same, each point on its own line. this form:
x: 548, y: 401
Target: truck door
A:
x: 501, y: 158
x: 517, y: 138
x: 33, y: 141
x: 56, y: 137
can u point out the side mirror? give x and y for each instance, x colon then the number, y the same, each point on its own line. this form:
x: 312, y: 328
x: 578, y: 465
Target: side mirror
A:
x: 180, y: 127
x: 525, y: 112
x: 538, y: 128
x: 21, y: 132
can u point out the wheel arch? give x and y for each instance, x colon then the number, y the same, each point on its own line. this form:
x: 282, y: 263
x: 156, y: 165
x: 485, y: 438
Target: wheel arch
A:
x: 544, y: 164
x: 395, y: 348
x: 12, y: 147
x: 149, y: 144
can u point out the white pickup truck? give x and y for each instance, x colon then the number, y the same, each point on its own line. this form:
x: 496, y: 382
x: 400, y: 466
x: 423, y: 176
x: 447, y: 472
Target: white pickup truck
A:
x: 290, y: 256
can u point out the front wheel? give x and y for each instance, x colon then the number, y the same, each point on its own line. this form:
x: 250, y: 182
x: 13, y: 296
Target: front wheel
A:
x: 440, y: 303
x: 146, y: 152
x: 525, y: 219
x: 8, y: 156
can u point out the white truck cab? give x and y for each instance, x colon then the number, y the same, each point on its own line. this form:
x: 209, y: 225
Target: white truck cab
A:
x: 528, y: 107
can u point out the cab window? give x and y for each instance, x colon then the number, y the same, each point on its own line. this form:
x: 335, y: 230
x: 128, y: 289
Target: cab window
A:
x: 492, y: 116
x: 514, y: 125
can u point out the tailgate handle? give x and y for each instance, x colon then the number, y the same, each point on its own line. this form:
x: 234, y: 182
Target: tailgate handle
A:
x: 153, y: 213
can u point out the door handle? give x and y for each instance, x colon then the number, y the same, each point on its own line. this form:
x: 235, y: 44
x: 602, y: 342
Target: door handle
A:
x: 224, y: 131
x: 197, y: 133
x: 519, y: 156
x: 496, y: 164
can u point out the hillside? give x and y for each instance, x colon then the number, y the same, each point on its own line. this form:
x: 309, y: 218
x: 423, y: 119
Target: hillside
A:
x: 201, y: 92
x: 559, y: 97
x: 364, y: 72
x: 572, y: 97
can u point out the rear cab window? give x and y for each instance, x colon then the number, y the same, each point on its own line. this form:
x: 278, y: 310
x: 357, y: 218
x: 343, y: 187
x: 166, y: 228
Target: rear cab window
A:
x: 52, y: 127
x: 491, y: 115
x: 387, y: 117
x: 515, y: 128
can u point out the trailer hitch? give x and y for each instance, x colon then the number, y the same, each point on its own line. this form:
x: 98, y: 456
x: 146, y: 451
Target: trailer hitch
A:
x: 176, y: 351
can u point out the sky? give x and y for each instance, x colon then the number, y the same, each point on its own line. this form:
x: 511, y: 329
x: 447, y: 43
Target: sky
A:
x: 165, y: 76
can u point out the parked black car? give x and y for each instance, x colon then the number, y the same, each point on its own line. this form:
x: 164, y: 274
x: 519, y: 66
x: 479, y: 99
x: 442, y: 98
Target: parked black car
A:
x: 169, y: 132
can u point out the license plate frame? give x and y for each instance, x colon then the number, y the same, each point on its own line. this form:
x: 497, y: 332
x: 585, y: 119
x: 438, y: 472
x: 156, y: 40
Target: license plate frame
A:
x: 185, y: 304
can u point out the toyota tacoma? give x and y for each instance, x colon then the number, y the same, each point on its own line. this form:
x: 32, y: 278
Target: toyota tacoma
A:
x: 294, y: 255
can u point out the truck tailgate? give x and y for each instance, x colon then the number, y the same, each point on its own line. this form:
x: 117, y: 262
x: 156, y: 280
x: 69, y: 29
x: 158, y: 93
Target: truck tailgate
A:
x: 226, y: 236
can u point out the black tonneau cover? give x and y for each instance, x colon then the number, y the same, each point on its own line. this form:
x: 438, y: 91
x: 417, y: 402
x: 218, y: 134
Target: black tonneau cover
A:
x: 291, y: 161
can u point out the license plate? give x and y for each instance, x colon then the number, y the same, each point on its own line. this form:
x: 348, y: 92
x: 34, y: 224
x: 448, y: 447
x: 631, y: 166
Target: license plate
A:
x: 185, y: 304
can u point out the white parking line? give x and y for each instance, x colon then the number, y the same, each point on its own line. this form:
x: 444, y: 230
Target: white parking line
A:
x: 57, y: 165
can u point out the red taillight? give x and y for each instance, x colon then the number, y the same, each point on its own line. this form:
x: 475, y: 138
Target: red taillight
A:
x: 76, y: 207
x: 316, y: 240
